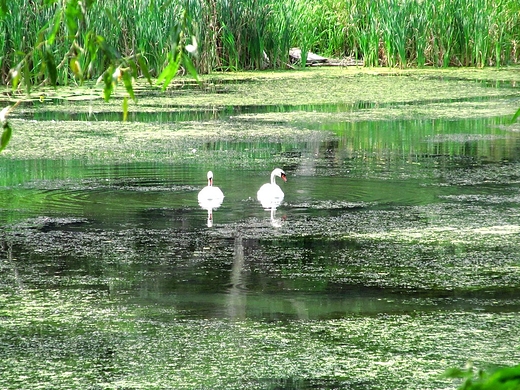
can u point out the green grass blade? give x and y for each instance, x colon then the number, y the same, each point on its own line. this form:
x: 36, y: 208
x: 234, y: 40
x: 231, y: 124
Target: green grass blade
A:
x: 27, y: 77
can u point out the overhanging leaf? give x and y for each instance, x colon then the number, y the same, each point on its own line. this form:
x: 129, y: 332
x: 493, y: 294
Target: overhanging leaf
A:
x: 127, y: 80
x: 72, y: 15
x: 6, y: 136
x: 144, y: 69
x: 109, y: 84
x: 190, y: 67
x: 133, y: 66
x: 125, y: 109
x: 109, y: 51
x: 457, y: 373
x: 55, y: 27
x: 170, y: 71
x: 15, y: 77
x: 515, y: 117
x: 3, y: 8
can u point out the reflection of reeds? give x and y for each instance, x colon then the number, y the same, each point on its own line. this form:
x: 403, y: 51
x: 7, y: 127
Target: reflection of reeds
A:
x: 239, y: 34
x: 479, y: 139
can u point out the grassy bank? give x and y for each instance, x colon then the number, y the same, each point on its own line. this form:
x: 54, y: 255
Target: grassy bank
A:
x: 234, y: 35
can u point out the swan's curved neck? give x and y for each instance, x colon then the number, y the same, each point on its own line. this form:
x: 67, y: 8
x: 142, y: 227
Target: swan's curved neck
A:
x: 273, y: 180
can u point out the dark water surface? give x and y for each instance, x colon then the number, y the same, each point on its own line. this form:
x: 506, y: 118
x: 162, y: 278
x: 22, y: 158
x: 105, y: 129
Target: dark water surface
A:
x: 394, y: 256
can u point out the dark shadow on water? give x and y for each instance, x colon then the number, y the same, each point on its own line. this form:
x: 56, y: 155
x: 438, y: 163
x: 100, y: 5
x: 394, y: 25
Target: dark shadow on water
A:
x: 310, y: 384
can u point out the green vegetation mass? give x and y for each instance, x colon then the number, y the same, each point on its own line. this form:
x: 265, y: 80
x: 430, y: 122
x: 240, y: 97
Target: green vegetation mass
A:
x: 246, y: 34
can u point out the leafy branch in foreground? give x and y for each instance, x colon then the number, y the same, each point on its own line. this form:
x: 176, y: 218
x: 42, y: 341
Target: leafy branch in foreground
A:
x: 7, y: 131
x: 6, y: 127
x: 506, y: 378
x: 68, y: 25
x: 516, y: 116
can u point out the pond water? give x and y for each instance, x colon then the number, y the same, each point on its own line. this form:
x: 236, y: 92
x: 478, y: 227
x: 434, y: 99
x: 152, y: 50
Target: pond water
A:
x: 394, y: 256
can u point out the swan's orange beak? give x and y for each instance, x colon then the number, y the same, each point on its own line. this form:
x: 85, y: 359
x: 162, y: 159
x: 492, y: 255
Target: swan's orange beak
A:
x: 210, y: 181
x: 283, y: 176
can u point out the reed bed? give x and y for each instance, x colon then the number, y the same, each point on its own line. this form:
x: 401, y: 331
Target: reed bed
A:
x: 252, y: 34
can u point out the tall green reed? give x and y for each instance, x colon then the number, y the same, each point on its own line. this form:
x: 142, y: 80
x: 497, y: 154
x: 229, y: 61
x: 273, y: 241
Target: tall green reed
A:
x: 252, y: 34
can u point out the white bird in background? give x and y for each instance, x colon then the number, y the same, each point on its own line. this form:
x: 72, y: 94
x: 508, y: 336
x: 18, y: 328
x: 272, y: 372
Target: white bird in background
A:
x: 271, y: 195
x: 210, y: 198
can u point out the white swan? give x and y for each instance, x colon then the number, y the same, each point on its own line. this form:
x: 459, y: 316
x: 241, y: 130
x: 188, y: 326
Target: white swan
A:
x: 210, y: 198
x: 271, y: 195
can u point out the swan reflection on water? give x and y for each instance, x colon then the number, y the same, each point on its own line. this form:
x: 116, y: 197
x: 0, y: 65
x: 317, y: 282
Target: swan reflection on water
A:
x: 210, y: 206
x: 242, y: 302
x: 276, y: 222
x: 236, y: 299
x: 210, y: 198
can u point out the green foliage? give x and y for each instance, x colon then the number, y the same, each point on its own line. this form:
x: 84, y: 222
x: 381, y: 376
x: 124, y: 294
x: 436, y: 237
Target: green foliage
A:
x: 237, y: 34
x: 61, y: 41
x: 507, y: 378
x: 3, y: 7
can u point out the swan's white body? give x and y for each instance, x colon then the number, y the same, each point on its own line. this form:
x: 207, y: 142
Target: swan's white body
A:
x: 210, y: 194
x: 210, y: 198
x: 270, y: 194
